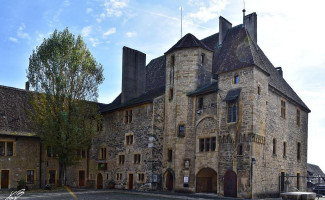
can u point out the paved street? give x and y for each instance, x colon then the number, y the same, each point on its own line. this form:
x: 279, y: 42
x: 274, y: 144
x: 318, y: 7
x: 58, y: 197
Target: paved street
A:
x: 108, y: 194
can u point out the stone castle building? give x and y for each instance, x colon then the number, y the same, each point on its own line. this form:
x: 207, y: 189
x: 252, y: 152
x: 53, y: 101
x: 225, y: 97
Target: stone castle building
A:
x: 211, y: 115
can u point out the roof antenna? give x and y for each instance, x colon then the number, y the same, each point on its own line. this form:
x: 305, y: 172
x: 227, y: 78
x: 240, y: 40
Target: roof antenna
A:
x: 181, y: 21
x: 244, y: 13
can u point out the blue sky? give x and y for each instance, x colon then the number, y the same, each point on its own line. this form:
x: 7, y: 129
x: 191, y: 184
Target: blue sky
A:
x: 290, y: 32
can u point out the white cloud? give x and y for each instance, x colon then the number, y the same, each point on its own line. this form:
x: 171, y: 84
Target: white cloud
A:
x: 86, y: 31
x: 207, y: 10
x: 12, y: 39
x: 66, y: 3
x: 131, y: 34
x: 89, y: 10
x: 113, y: 8
x: 94, y: 41
x: 109, y: 32
x: 20, y: 32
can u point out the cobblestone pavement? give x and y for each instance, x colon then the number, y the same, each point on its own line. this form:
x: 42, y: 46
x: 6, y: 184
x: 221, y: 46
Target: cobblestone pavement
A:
x: 111, y: 195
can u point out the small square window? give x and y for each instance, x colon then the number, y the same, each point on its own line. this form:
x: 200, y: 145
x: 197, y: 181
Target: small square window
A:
x: 171, y: 94
x: 236, y: 79
x: 181, y: 131
x: 137, y: 159
x: 298, y: 117
x: 200, y: 107
x: 30, y: 177
x: 121, y: 159
x: 102, y: 153
x: 128, y: 116
x: 141, y: 177
x: 298, y: 151
x: 274, y: 146
x: 170, y: 155
x: 202, y: 58
x: 283, y: 109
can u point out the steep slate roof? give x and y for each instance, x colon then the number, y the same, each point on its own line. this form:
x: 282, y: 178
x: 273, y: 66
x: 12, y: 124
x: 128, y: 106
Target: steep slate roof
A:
x: 156, y: 73
x: 13, y: 112
x: 14, y: 105
x: 233, y: 94
x: 238, y: 50
x: 213, y: 87
x: 147, y: 97
x: 188, y: 41
x: 314, y: 170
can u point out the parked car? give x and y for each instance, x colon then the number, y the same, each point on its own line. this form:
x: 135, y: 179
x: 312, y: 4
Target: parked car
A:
x: 319, y: 190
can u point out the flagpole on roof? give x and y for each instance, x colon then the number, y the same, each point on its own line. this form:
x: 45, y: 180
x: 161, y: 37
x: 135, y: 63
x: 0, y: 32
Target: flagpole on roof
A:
x: 181, y: 21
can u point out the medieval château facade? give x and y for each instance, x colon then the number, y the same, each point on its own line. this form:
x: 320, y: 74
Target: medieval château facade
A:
x: 211, y: 115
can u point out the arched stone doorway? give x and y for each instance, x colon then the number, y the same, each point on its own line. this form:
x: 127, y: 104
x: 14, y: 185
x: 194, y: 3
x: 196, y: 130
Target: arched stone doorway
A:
x: 169, y: 180
x: 99, y: 181
x: 206, y: 181
x: 230, y: 184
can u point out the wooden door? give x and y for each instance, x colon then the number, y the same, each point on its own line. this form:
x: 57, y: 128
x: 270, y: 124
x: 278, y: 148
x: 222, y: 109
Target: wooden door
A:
x: 282, y: 181
x: 230, y: 184
x: 82, y: 178
x: 204, y: 185
x: 206, y: 181
x: 169, y: 181
x: 99, y: 181
x: 52, y: 176
x: 130, y: 181
x: 4, y: 178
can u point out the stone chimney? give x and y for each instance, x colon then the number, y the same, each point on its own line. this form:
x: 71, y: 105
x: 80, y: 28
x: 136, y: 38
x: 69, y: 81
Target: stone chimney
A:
x: 251, y: 25
x: 279, y: 69
x: 133, y: 74
x: 224, y: 26
x: 27, y: 86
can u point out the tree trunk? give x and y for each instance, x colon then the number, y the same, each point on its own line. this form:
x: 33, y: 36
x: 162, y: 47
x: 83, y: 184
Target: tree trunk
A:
x: 62, y: 173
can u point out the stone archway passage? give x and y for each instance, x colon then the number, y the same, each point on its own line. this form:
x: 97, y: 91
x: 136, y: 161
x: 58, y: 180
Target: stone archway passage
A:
x: 206, y: 181
x: 230, y: 184
x: 169, y: 181
x: 99, y: 181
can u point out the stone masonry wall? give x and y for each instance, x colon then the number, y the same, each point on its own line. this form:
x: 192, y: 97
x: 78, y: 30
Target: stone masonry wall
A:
x: 113, y: 137
x: 235, y: 133
x: 26, y: 151
x: 189, y: 75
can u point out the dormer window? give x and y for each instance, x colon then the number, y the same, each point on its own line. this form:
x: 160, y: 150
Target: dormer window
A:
x: 236, y: 79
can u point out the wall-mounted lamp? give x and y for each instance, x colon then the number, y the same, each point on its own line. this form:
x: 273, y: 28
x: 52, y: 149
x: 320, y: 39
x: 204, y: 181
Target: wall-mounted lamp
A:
x: 253, y: 161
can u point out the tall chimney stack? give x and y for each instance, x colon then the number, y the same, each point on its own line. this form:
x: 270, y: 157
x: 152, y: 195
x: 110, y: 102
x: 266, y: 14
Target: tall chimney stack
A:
x: 224, y: 26
x: 251, y: 25
x: 133, y: 74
